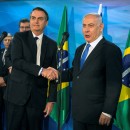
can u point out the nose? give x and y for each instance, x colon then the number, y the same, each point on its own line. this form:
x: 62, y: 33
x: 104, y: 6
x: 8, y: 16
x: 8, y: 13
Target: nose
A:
x: 36, y: 20
x: 86, y: 28
x: 24, y: 29
x: 8, y: 41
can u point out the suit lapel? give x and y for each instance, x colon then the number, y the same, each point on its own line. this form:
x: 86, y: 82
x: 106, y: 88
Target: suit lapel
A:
x: 43, y: 49
x: 2, y: 52
x: 79, y: 56
x: 32, y: 46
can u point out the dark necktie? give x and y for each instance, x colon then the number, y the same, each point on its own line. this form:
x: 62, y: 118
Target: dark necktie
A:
x: 38, y: 51
x: 84, y: 55
x: 36, y: 38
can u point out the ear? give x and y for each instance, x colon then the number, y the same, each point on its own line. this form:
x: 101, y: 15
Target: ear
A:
x: 46, y: 23
x: 101, y: 26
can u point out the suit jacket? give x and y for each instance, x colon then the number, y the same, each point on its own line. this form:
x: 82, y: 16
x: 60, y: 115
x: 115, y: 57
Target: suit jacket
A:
x: 1, y: 62
x: 3, y: 73
x: 24, y: 83
x: 96, y: 87
x: 3, y: 69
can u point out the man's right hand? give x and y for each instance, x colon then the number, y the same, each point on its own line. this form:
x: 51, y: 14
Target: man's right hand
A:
x: 50, y: 73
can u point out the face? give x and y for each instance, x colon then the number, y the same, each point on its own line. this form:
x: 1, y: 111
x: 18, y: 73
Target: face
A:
x: 38, y: 22
x: 92, y: 28
x: 24, y: 27
x: 7, y: 41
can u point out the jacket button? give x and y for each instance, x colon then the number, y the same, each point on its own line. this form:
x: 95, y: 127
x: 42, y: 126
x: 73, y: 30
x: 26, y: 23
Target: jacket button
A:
x: 77, y: 77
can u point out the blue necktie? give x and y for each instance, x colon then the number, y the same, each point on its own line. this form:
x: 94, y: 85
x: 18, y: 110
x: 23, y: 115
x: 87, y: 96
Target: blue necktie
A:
x: 84, y: 55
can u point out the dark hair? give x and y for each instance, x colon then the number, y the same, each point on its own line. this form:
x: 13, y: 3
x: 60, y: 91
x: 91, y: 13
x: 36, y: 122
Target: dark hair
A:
x: 24, y: 20
x: 43, y: 10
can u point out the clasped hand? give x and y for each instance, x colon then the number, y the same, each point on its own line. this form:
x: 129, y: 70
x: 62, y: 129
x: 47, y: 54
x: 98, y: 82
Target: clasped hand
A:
x: 2, y: 82
x: 104, y: 120
x: 50, y: 73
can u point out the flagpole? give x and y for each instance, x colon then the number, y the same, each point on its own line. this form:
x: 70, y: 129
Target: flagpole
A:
x: 100, y: 9
x: 65, y: 36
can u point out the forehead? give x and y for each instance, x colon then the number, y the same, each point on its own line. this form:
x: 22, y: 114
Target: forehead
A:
x: 8, y: 37
x: 25, y: 23
x: 38, y: 13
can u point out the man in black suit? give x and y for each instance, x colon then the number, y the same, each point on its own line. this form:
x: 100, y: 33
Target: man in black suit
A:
x: 96, y: 75
x: 3, y: 75
x: 24, y: 25
x: 27, y: 87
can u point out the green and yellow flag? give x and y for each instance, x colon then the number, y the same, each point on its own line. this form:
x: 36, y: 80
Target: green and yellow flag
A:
x: 62, y: 93
x: 122, y: 120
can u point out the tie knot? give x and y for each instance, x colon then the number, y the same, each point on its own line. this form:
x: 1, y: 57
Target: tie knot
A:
x: 88, y: 45
x: 36, y: 38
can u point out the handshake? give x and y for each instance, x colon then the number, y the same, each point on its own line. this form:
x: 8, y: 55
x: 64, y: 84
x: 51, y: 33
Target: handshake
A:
x: 50, y: 73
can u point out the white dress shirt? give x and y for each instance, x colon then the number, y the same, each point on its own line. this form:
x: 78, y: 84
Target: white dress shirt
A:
x: 93, y: 45
x: 39, y: 45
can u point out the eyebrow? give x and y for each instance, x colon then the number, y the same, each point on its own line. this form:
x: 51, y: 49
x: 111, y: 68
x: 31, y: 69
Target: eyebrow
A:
x: 44, y: 17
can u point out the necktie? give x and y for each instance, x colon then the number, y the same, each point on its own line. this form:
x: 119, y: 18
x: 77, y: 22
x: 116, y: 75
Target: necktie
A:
x: 38, y: 51
x: 36, y: 38
x: 84, y: 55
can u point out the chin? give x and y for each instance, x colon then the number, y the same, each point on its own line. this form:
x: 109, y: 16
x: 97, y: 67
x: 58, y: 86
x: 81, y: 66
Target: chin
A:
x: 36, y: 30
x: 87, y: 40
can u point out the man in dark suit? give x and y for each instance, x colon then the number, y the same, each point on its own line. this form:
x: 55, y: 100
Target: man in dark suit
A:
x: 27, y: 87
x: 24, y: 25
x: 96, y: 75
x: 3, y: 75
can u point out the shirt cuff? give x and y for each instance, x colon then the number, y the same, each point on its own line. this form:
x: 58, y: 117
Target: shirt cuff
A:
x: 40, y: 72
x: 108, y: 115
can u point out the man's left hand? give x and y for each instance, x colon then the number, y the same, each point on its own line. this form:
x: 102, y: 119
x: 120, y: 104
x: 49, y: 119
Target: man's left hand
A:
x: 48, y: 108
x: 104, y: 120
x: 2, y: 82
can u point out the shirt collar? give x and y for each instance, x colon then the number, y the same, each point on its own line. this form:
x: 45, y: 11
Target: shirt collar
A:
x: 94, y: 43
x: 39, y: 37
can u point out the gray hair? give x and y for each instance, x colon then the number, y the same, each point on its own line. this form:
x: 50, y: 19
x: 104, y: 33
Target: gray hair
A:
x: 96, y: 15
x: 9, y: 35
